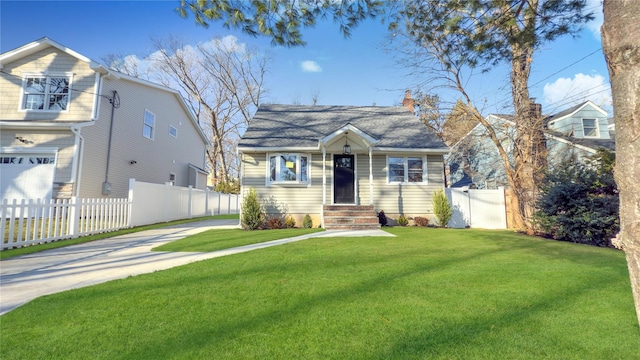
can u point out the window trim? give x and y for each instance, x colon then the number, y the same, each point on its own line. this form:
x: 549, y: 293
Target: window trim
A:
x: 596, y: 125
x: 23, y: 93
x: 144, y: 125
x: 405, y: 163
x: 297, y: 182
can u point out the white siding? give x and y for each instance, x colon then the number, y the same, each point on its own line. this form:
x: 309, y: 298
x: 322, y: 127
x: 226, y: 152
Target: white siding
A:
x: 154, y: 159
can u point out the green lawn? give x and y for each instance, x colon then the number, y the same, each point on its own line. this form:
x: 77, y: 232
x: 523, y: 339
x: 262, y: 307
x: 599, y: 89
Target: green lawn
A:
x: 213, y: 240
x: 425, y: 294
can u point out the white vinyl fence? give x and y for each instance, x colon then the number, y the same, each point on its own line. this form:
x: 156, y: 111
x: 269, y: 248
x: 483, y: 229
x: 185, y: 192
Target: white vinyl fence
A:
x: 477, y: 208
x: 154, y: 203
x: 29, y: 222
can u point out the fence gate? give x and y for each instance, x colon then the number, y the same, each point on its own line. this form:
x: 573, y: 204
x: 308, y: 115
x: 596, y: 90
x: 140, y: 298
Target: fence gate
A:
x: 477, y: 208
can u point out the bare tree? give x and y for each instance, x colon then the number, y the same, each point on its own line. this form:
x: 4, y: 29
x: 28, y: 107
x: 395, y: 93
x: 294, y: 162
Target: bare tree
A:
x: 621, y: 44
x: 223, y: 82
x: 315, y: 96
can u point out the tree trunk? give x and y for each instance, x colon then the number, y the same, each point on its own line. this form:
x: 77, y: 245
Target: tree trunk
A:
x: 529, y: 150
x: 621, y: 45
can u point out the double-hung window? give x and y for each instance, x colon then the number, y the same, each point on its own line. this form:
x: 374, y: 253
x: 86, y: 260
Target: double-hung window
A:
x: 590, y: 127
x: 149, y: 125
x: 288, y: 168
x: 46, y: 93
x: 406, y: 169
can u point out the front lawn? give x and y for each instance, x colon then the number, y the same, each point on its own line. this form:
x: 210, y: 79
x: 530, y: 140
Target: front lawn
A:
x: 213, y: 240
x: 425, y: 294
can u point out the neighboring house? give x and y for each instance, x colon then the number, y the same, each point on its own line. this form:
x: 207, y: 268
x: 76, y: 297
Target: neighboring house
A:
x: 313, y: 159
x: 579, y: 131
x: 71, y: 127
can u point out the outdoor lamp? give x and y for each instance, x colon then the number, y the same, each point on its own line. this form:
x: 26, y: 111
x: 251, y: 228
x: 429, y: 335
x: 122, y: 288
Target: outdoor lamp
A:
x: 346, y: 149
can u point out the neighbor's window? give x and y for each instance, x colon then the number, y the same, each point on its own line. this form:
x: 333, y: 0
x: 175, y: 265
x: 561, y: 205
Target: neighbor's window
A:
x: 46, y: 93
x: 288, y: 168
x: 406, y: 169
x: 148, y: 129
x: 173, y: 131
x: 590, y: 127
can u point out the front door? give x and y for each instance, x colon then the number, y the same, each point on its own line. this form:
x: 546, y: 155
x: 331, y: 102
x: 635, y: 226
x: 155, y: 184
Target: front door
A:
x: 343, y: 179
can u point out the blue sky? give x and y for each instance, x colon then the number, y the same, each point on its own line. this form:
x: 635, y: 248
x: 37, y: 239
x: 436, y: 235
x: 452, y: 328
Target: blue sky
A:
x: 352, y: 71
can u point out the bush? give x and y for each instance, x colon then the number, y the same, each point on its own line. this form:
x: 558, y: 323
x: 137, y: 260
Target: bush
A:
x: 442, y: 208
x: 274, y: 223
x: 228, y: 187
x: 289, y: 222
x: 307, y: 223
x: 421, y: 221
x: 579, y: 202
x: 402, y: 220
x: 252, y: 213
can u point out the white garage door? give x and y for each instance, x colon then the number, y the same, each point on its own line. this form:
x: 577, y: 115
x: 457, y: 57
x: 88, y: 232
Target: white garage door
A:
x: 26, y: 175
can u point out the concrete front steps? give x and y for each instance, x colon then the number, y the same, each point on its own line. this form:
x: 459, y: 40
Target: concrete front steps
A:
x: 350, y: 217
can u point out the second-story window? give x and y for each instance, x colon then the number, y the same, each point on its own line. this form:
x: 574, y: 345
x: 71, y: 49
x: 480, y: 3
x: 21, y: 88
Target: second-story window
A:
x: 590, y: 127
x: 149, y: 126
x: 46, y: 93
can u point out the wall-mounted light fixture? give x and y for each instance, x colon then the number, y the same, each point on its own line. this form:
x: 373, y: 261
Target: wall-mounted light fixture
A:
x: 23, y: 140
x: 346, y: 149
x: 132, y: 162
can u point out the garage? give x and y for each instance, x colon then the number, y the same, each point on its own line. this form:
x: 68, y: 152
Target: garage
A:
x: 26, y: 175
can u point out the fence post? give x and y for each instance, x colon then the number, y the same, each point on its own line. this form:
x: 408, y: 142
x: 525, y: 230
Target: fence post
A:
x: 132, y: 184
x: 190, y: 203
x: 73, y: 217
x: 206, y: 202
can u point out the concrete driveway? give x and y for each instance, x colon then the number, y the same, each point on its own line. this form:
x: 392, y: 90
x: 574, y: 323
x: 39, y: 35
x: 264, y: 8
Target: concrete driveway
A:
x: 27, y: 277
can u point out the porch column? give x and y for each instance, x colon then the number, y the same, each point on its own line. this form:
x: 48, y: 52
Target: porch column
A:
x: 370, y: 175
x: 324, y: 176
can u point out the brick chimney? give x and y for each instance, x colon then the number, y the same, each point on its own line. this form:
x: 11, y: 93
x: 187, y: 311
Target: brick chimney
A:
x: 408, y: 101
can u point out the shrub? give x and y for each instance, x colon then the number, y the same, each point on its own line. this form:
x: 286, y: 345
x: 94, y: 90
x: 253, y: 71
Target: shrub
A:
x: 307, y: 223
x: 442, y: 208
x: 289, y: 222
x: 579, y: 202
x: 421, y: 221
x: 252, y: 213
x: 228, y: 187
x: 402, y: 220
x: 274, y: 223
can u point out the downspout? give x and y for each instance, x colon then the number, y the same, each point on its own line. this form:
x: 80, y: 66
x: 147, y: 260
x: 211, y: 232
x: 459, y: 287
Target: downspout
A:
x: 76, y: 188
x: 106, y: 187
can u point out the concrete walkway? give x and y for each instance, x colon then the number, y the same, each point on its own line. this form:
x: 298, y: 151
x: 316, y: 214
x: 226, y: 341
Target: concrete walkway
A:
x: 27, y: 277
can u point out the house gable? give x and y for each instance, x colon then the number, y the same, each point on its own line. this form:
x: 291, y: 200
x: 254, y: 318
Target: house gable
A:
x: 574, y: 121
x: 475, y: 158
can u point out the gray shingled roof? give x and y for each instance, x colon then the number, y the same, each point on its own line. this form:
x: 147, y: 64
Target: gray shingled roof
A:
x: 275, y: 126
x: 564, y: 112
x: 595, y: 144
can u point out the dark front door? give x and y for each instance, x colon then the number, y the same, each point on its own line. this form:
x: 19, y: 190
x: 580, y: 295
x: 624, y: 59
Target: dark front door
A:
x: 343, y: 183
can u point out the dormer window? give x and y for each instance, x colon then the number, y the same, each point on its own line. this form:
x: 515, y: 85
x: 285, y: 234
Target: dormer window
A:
x: 590, y: 128
x: 46, y: 93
